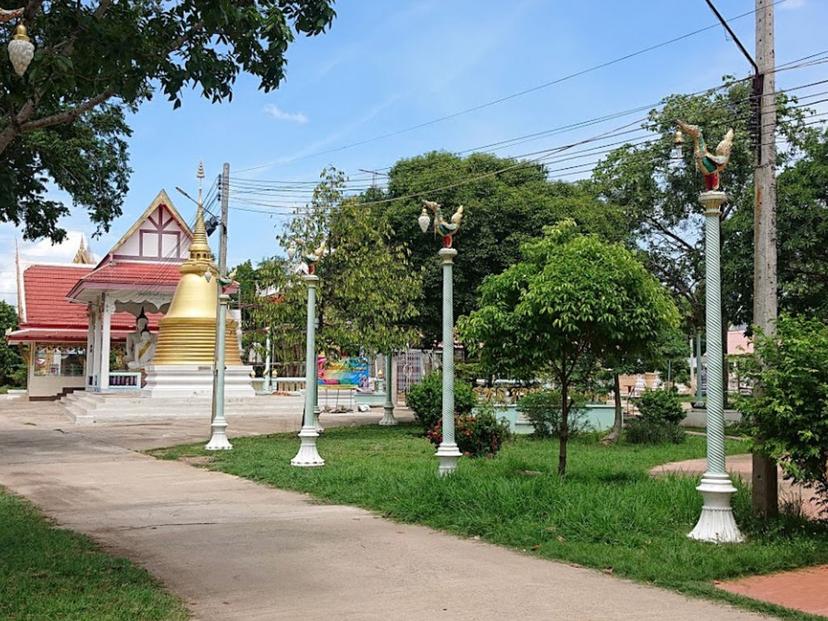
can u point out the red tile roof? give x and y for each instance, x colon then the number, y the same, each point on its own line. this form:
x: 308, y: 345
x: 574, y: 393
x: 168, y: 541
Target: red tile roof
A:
x: 45, y: 288
x: 51, y: 316
x: 136, y: 273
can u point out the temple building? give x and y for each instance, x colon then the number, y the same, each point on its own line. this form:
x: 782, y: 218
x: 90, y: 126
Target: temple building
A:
x: 92, y: 326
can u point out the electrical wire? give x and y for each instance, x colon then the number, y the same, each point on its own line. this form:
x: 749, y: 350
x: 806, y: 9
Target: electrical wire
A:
x: 521, y: 93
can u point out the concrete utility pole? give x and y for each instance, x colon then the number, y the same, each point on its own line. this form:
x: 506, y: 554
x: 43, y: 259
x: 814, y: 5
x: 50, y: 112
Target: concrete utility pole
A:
x: 218, y: 423
x: 765, y: 493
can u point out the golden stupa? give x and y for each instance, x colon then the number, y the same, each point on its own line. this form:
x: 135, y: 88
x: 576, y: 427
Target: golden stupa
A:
x: 187, y: 333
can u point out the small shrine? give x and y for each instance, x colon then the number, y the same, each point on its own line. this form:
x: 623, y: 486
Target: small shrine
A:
x: 93, y: 326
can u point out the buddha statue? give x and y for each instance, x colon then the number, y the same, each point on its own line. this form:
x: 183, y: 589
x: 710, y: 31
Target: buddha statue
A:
x: 140, y: 345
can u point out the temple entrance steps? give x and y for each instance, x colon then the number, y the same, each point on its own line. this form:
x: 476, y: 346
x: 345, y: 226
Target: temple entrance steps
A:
x: 90, y: 407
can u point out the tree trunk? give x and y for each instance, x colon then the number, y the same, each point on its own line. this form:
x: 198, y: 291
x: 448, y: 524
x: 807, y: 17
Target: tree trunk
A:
x: 615, y: 434
x: 563, y: 431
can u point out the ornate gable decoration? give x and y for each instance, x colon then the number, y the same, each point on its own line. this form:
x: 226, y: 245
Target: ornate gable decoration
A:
x: 159, y: 235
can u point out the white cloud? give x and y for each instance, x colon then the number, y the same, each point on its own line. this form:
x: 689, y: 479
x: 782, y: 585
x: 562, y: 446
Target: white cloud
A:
x: 274, y: 111
x: 792, y: 4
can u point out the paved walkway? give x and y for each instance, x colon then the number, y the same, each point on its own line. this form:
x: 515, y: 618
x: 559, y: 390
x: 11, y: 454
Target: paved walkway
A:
x: 233, y: 549
x: 742, y: 466
x: 802, y: 589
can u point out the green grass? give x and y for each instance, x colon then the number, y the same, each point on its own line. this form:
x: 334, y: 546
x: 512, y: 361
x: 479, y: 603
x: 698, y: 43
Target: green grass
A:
x: 51, y: 573
x: 608, y: 513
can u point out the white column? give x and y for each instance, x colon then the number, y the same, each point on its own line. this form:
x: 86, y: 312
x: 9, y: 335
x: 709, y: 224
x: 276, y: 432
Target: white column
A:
x: 388, y: 417
x: 716, y: 523
x: 308, y: 455
x: 106, y: 325
x: 448, y: 453
x: 96, y: 348
x: 89, y: 365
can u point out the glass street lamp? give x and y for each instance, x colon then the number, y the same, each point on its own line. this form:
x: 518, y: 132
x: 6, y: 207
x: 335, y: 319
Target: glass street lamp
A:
x: 21, y: 48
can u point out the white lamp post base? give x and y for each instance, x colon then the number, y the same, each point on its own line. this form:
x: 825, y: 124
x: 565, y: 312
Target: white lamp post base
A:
x: 447, y: 456
x: 308, y: 456
x: 716, y: 523
x: 388, y: 419
x: 218, y: 439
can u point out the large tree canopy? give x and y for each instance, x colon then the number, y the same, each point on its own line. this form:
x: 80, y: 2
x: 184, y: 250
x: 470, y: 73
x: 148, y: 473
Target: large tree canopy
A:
x: 502, y: 211
x: 368, y: 289
x: 659, y: 191
x: 63, y: 122
x: 802, y: 228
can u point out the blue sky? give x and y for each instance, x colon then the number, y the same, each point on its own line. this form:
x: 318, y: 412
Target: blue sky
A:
x: 387, y: 65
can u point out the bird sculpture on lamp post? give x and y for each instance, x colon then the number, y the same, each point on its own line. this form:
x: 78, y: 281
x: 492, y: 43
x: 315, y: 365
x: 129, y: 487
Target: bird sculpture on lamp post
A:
x: 716, y: 523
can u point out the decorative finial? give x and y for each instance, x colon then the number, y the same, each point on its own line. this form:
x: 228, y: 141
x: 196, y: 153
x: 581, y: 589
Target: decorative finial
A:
x: 708, y: 164
x: 446, y: 229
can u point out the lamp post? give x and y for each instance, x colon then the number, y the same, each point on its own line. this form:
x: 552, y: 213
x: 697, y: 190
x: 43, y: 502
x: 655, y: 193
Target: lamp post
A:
x: 716, y: 523
x: 21, y: 48
x: 447, y: 453
x: 388, y: 419
x: 218, y: 426
x: 308, y: 455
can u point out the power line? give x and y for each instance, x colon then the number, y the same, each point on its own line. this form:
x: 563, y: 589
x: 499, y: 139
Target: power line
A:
x: 802, y: 62
x: 521, y: 93
x: 263, y: 194
x: 283, y: 210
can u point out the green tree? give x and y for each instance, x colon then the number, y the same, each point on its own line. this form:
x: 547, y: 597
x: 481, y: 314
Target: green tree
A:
x: 503, y: 209
x: 64, y: 123
x: 10, y: 360
x: 572, y: 297
x: 789, y: 414
x: 802, y: 228
x: 368, y: 289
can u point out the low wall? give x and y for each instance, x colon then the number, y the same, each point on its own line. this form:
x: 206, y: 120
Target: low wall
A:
x: 598, y: 416
x: 697, y: 417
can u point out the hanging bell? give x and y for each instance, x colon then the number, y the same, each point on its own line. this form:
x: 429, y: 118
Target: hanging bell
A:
x: 21, y: 50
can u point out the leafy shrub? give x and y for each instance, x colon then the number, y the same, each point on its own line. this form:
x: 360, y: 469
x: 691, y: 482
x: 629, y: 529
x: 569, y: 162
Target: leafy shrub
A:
x: 661, y: 413
x: 478, y: 435
x: 660, y: 406
x: 543, y: 409
x: 648, y: 431
x: 789, y: 413
x: 426, y: 400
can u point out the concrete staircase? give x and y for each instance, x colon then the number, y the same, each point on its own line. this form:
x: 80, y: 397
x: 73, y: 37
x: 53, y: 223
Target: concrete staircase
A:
x: 87, y: 407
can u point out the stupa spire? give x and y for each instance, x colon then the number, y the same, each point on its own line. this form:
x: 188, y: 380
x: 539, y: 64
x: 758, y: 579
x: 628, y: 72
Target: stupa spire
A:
x: 200, y: 247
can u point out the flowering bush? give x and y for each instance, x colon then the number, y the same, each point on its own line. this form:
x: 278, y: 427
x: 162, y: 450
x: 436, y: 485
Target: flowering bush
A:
x: 478, y: 435
x: 426, y: 400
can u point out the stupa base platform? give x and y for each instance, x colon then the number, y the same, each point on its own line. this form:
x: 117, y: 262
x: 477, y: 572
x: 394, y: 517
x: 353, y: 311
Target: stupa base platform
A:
x: 191, y: 381
x: 85, y: 408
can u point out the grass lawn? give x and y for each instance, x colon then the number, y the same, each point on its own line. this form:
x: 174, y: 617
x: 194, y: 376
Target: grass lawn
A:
x: 608, y: 513
x: 51, y: 573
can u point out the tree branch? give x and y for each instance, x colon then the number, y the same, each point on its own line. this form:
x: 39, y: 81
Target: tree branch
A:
x: 67, y: 116
x: 668, y: 233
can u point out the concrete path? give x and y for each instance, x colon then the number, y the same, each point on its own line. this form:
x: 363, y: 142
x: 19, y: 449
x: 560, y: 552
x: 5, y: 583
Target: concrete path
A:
x: 233, y: 549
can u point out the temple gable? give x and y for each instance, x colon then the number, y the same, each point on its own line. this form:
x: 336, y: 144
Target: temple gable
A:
x: 160, y: 234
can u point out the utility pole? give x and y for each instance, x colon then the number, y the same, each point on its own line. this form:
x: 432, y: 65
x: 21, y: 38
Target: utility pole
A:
x: 218, y: 423
x: 764, y: 483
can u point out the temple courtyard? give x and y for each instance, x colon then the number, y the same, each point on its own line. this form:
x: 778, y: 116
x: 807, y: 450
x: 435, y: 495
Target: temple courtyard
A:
x: 232, y: 548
